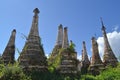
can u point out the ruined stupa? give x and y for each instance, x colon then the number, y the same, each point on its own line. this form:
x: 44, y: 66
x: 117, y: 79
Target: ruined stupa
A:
x: 108, y: 58
x: 57, y: 47
x: 32, y: 55
x: 85, y: 61
x: 9, y: 52
x: 96, y: 64
x: 59, y: 41
x: 68, y: 64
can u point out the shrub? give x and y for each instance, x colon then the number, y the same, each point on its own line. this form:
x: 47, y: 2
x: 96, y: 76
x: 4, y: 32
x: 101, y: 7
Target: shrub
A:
x: 110, y: 74
x: 12, y: 72
x: 88, y: 77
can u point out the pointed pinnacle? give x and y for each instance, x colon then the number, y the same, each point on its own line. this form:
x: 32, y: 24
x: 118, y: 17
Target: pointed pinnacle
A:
x: 101, y: 21
x: 36, y: 11
x: 83, y: 42
x: 60, y: 26
x: 14, y: 30
x: 65, y: 28
x: 93, y: 38
x: 103, y: 27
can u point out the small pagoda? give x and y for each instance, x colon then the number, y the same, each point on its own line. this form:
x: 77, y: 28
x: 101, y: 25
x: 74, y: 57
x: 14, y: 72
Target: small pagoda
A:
x: 109, y: 57
x: 85, y: 61
x: 57, y: 47
x: 8, y: 56
x: 96, y: 64
x: 32, y: 56
x: 68, y: 64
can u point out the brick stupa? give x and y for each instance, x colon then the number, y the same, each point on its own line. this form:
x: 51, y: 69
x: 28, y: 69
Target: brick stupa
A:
x: 68, y: 63
x: 9, y: 52
x: 96, y: 64
x: 58, y: 45
x: 59, y: 41
x: 32, y: 56
x: 85, y: 61
x: 109, y: 57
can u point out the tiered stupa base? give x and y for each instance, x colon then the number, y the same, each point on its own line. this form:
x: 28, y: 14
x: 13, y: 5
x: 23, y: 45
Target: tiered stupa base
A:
x: 68, y: 63
x: 95, y: 69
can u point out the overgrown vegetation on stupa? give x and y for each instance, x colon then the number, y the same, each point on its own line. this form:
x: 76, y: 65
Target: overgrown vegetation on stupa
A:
x: 62, y: 63
x: 15, y: 72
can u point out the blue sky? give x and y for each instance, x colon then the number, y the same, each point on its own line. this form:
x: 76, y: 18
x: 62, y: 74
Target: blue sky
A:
x: 82, y: 17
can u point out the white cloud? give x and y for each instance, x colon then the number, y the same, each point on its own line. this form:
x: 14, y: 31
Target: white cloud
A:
x: 114, y: 41
x: 47, y: 55
x: 79, y: 57
x: 116, y: 28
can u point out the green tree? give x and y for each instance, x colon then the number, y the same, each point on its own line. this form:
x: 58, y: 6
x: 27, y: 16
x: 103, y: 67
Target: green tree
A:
x: 72, y: 46
x: 12, y: 72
